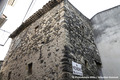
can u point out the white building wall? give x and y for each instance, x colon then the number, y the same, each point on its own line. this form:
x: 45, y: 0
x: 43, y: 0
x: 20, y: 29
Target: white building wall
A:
x: 106, y: 27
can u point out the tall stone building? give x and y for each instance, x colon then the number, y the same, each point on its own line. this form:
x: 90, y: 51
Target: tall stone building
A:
x: 1, y: 62
x: 55, y: 43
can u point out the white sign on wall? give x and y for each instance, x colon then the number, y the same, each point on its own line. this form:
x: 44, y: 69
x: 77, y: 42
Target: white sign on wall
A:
x: 77, y: 68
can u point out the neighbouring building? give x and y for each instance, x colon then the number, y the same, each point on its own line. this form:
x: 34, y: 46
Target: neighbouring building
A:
x: 106, y: 28
x: 3, y: 19
x: 12, y: 2
x: 2, y: 6
x: 3, y: 3
x: 55, y: 43
x: 2, y: 16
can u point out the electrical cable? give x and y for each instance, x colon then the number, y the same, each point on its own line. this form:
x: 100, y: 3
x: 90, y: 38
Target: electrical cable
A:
x: 27, y: 10
x: 22, y: 22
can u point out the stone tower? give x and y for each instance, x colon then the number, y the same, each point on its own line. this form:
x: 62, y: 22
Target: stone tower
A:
x: 55, y: 43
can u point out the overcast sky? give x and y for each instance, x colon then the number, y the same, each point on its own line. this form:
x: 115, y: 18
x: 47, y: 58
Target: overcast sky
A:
x: 17, y: 12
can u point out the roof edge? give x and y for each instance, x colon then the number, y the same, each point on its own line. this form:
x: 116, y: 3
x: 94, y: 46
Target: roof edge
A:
x: 104, y: 11
x: 47, y: 7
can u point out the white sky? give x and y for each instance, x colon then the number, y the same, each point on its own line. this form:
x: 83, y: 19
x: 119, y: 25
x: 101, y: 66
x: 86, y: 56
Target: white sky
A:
x: 16, y: 13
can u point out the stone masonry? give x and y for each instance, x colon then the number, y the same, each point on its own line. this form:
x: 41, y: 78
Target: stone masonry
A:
x: 1, y: 62
x: 45, y: 45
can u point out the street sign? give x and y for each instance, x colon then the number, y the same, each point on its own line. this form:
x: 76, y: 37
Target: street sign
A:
x: 77, y: 68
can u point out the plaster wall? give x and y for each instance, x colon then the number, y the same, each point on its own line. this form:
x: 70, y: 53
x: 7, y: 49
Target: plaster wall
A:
x: 106, y: 28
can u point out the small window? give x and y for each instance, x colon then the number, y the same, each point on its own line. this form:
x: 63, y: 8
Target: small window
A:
x: 9, y: 75
x: 99, y: 65
x: 86, y: 64
x: 30, y: 69
x: 36, y: 28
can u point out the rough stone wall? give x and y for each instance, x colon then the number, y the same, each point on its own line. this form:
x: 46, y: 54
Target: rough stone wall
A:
x: 1, y: 62
x: 42, y: 44
x: 0, y: 76
x: 80, y: 47
x: 46, y: 48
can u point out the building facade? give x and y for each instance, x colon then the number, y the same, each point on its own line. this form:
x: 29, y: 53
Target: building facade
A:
x: 1, y: 62
x: 2, y: 6
x: 106, y: 28
x: 55, y: 43
x: 2, y: 16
